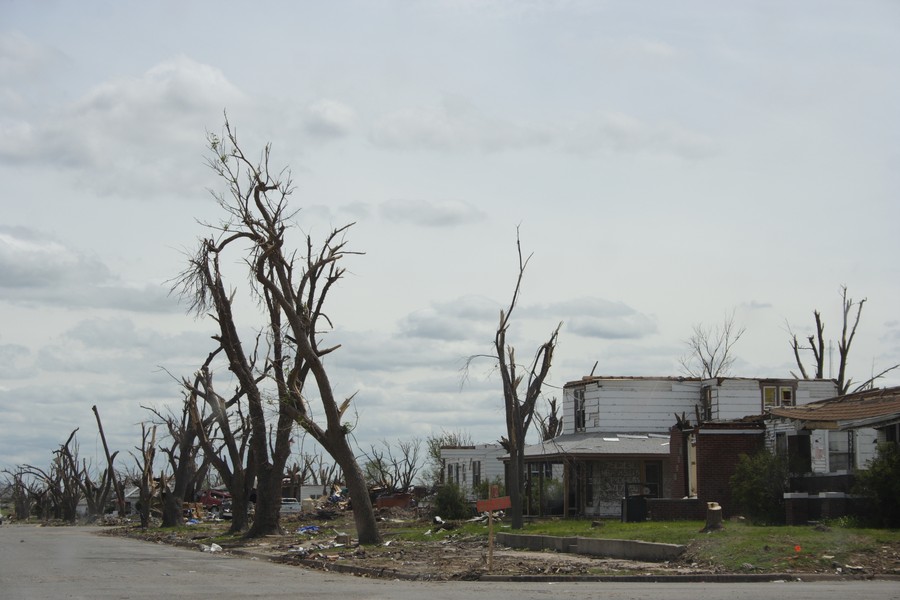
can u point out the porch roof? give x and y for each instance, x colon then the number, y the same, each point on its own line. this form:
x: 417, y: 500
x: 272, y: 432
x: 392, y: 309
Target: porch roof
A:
x: 599, y: 445
x: 872, y: 408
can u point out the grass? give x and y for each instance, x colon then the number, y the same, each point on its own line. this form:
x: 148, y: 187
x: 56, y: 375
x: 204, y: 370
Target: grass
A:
x: 739, y: 547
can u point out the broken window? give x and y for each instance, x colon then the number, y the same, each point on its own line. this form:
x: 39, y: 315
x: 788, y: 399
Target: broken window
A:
x: 777, y: 395
x: 580, y: 415
x: 840, y: 451
x: 706, y: 409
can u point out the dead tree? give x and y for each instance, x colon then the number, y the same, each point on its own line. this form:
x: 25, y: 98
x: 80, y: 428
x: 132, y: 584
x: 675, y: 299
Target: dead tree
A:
x: 710, y: 349
x: 117, y: 486
x: 292, y: 289
x: 519, y: 411
x: 144, y: 462
x: 182, y: 453
x: 850, y: 315
x: 21, y: 500
x: 551, y: 425
x: 226, y: 448
x: 393, y: 469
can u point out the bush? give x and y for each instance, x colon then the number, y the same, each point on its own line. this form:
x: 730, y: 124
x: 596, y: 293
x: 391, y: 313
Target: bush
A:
x: 483, y: 489
x: 881, y: 482
x: 450, y: 503
x: 758, y: 487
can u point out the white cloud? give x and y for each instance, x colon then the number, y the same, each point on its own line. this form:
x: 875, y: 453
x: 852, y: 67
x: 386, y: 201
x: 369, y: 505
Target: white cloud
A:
x: 327, y: 118
x: 130, y: 136
x: 455, y: 125
x: 431, y: 214
x: 21, y: 57
x: 459, y: 126
x: 36, y: 269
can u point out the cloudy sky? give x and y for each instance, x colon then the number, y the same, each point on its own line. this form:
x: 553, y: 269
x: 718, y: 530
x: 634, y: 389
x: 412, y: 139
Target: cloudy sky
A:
x: 666, y: 163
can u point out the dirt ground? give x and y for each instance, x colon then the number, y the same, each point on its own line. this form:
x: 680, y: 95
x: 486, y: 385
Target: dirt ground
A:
x: 454, y: 556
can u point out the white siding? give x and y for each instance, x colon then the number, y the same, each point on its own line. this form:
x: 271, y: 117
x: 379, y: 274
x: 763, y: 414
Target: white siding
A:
x: 812, y: 390
x: 487, y: 454
x: 738, y: 398
x: 866, y: 444
x: 819, y: 450
x: 631, y: 405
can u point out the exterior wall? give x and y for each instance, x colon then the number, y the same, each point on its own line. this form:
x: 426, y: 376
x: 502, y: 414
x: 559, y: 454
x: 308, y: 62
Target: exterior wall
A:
x: 609, y: 479
x: 488, y: 455
x: 736, y: 398
x: 813, y: 390
x: 717, y: 458
x: 631, y: 405
x: 866, y: 447
x: 718, y: 449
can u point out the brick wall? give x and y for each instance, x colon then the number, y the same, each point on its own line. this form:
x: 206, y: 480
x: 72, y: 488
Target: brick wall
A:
x: 717, y: 458
x: 676, y: 509
x: 718, y: 447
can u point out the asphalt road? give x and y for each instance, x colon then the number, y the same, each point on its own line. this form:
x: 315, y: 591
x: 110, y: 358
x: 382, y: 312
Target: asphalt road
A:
x: 75, y: 562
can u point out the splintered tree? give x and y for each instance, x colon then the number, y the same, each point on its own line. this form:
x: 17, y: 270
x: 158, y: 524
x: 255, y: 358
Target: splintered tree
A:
x: 850, y: 315
x: 224, y: 440
x: 520, y: 411
x: 182, y: 452
x: 291, y: 286
x: 710, y: 349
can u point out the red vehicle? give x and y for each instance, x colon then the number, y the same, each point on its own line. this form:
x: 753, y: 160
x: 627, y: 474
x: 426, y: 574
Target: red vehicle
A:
x: 212, y: 499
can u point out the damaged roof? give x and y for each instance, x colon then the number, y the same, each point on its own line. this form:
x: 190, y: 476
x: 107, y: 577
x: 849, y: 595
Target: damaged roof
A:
x: 871, y: 408
x: 600, y: 445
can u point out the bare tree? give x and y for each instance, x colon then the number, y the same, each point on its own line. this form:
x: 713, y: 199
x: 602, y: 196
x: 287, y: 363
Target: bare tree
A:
x: 182, y: 454
x: 551, y: 425
x: 519, y: 411
x: 144, y: 481
x: 112, y: 480
x: 710, y: 349
x: 851, y: 311
x: 229, y: 453
x: 22, y: 502
x: 292, y: 290
x: 394, y: 469
x: 58, y: 488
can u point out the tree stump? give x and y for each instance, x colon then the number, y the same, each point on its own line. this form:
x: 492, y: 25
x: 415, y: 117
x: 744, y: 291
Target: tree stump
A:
x: 713, y: 517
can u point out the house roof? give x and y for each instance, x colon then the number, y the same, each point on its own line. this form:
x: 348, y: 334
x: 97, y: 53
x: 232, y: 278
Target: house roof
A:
x: 872, y: 408
x: 584, y: 445
x: 590, y: 378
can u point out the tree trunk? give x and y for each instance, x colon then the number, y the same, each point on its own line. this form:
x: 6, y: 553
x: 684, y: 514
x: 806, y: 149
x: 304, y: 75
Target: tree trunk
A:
x: 267, y: 519
x: 514, y: 486
x: 363, y: 512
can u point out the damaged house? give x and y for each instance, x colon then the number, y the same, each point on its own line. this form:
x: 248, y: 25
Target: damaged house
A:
x: 826, y: 443
x: 620, y: 441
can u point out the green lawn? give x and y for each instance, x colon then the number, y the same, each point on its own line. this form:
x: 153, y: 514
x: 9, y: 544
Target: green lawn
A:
x: 739, y: 547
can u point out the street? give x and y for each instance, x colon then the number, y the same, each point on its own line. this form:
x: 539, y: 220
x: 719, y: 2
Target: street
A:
x: 76, y: 562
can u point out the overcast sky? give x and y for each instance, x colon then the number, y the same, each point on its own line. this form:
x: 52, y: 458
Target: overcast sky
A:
x: 667, y: 163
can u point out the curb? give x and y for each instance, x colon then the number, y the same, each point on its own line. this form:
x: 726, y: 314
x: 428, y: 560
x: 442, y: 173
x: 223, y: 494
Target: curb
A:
x: 386, y: 573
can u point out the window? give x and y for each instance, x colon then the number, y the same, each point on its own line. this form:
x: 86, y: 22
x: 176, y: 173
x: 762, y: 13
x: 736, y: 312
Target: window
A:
x: 706, y: 409
x: 449, y: 473
x: 787, y: 396
x: 781, y: 444
x: 770, y: 396
x: 457, y: 474
x: 580, y: 416
x: 840, y: 451
x: 652, y: 479
x: 476, y: 472
x: 777, y: 395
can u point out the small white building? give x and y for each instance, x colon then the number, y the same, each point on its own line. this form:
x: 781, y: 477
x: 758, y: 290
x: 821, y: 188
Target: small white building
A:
x: 471, y: 466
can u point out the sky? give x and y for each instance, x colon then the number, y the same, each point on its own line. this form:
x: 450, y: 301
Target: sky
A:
x: 666, y: 164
